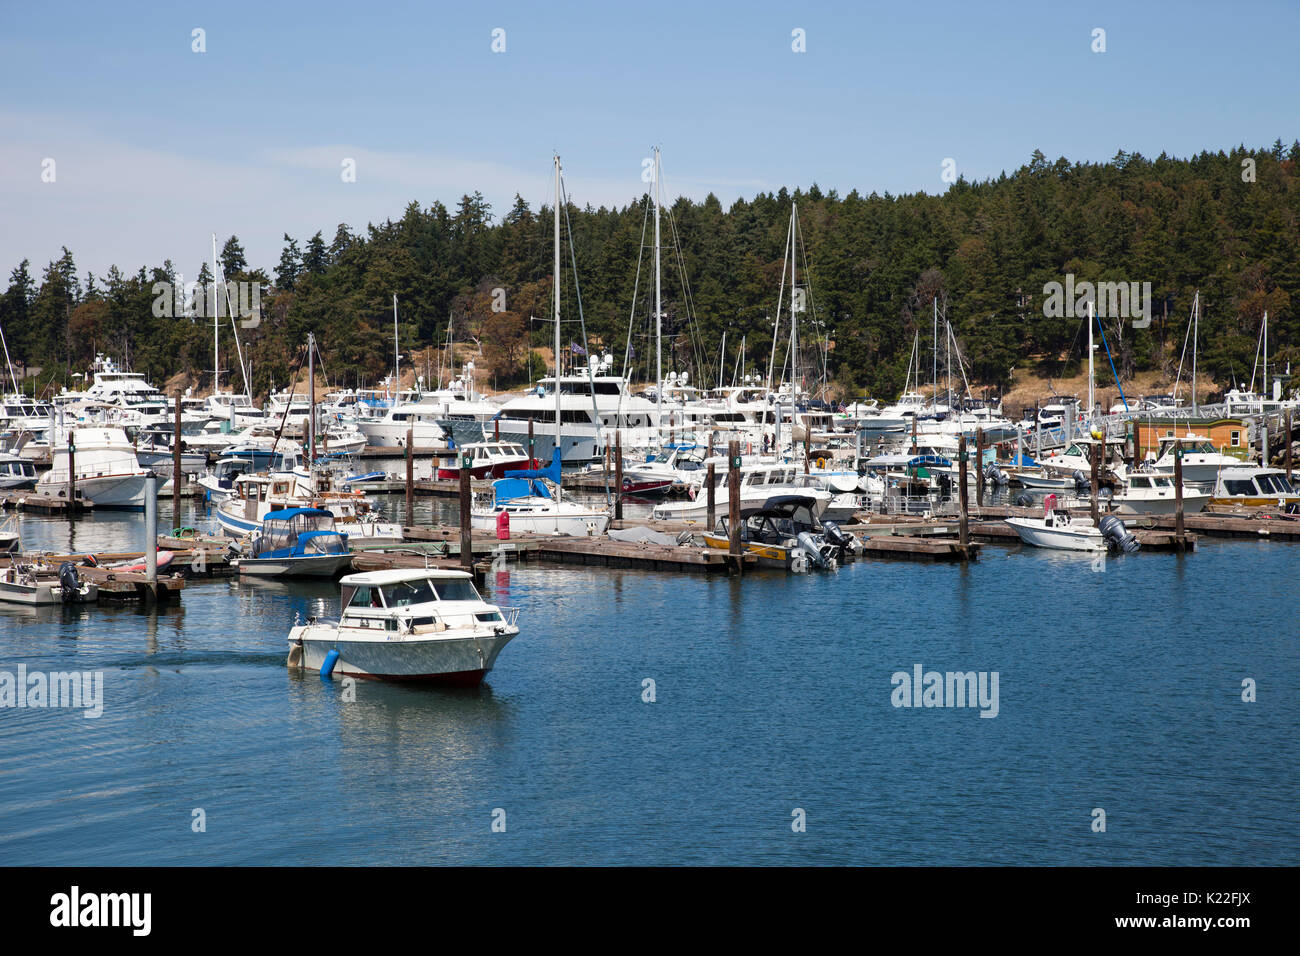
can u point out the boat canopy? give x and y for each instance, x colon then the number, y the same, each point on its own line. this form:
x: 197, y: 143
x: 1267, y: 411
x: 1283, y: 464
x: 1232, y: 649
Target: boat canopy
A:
x: 908, y: 461
x: 506, y: 489
x: 781, y: 506
x: 551, y: 472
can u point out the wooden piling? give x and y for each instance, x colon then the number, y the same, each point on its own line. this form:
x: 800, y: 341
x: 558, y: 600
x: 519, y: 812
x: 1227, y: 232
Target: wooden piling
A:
x: 1179, y: 535
x: 1094, y: 457
x: 72, y: 470
x: 733, y: 503
x: 176, y: 467
x: 410, y: 476
x: 1288, y: 446
x: 712, y: 498
x: 466, y: 538
x: 979, y: 467
x: 913, y: 434
x: 532, y: 455
x: 807, y: 452
x: 963, y: 535
x: 496, y: 429
x: 618, y: 473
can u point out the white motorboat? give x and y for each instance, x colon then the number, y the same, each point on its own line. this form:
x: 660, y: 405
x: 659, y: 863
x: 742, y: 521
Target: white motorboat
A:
x: 407, y: 624
x: 1202, y: 462
x: 107, y: 471
x: 1252, y: 486
x: 297, y: 542
x: 1061, y: 530
x: 35, y: 583
x: 255, y: 496
x: 1041, y: 482
x: 759, y: 481
x: 1138, y: 493
x: 16, y: 471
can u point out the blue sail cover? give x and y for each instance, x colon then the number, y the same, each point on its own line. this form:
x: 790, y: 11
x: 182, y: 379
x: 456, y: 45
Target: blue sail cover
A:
x: 527, y: 482
x: 551, y: 472
x: 505, y: 489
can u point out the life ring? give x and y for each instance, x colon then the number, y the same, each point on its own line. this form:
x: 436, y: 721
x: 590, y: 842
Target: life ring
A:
x: 821, y: 462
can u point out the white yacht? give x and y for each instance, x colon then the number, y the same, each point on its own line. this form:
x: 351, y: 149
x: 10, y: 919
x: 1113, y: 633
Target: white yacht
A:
x: 410, y: 625
x: 1252, y: 486
x: 592, y: 408
x: 1202, y: 462
x: 107, y: 471
x: 1139, y: 493
x: 759, y: 481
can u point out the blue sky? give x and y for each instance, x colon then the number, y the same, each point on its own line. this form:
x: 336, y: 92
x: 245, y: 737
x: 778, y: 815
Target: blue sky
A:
x: 156, y: 146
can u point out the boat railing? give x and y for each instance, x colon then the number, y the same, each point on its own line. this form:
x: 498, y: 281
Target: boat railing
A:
x: 510, y: 614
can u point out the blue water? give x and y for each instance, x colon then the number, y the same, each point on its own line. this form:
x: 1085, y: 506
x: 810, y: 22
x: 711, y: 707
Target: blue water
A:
x: 1119, y: 689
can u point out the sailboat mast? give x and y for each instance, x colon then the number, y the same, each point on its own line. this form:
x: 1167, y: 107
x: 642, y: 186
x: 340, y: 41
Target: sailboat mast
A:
x: 659, y: 371
x: 1196, y: 333
x: 1090, y: 370
x: 794, y: 322
x: 397, y: 355
x: 935, y: 398
x: 311, y: 392
x: 216, y: 320
x: 1264, y: 390
x: 555, y: 282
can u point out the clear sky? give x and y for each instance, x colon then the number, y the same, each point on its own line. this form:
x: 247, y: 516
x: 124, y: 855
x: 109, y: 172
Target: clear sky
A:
x: 156, y: 146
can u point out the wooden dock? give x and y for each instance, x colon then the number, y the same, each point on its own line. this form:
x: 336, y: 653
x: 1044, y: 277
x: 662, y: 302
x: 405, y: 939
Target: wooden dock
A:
x: 115, y: 587
x: 910, y: 547
x: 45, y: 504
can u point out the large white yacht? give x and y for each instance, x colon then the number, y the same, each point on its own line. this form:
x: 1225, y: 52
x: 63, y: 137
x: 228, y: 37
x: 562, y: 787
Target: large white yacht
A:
x: 107, y: 470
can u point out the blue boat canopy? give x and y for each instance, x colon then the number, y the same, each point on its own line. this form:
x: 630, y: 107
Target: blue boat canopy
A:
x: 506, y: 489
x: 288, y: 514
x: 551, y: 472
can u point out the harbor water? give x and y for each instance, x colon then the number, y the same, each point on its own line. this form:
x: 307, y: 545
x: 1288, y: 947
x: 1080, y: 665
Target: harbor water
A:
x: 654, y: 718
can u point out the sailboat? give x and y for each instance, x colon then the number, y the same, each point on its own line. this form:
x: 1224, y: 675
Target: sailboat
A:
x: 532, y: 499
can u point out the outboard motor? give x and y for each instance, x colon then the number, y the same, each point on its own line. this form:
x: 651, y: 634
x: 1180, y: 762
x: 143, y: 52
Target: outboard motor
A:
x: 835, y: 536
x: 1118, y: 536
x: 69, y: 582
x: 1024, y: 500
x: 809, y: 545
x: 1082, y: 480
x: 995, y: 474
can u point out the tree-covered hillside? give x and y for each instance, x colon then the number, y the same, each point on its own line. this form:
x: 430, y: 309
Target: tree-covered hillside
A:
x: 875, y: 264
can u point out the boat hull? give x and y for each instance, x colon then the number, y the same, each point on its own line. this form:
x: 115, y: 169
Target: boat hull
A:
x: 455, y: 660
x: 1192, y: 504
x: 106, y: 491
x: 310, y: 566
x: 1084, y: 538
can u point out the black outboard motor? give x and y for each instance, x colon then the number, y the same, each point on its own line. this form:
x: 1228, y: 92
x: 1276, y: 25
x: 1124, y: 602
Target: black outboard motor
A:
x: 69, y: 581
x: 1024, y: 500
x: 995, y: 474
x: 1118, y: 536
x: 835, y: 535
x: 1082, y: 480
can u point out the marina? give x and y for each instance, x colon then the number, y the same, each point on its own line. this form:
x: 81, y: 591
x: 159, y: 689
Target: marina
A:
x: 636, y: 438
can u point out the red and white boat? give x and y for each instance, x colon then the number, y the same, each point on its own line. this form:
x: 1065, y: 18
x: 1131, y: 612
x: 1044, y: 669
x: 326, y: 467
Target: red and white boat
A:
x: 489, y: 459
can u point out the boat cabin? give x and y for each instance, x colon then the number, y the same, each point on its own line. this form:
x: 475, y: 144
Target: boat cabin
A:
x: 299, y: 532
